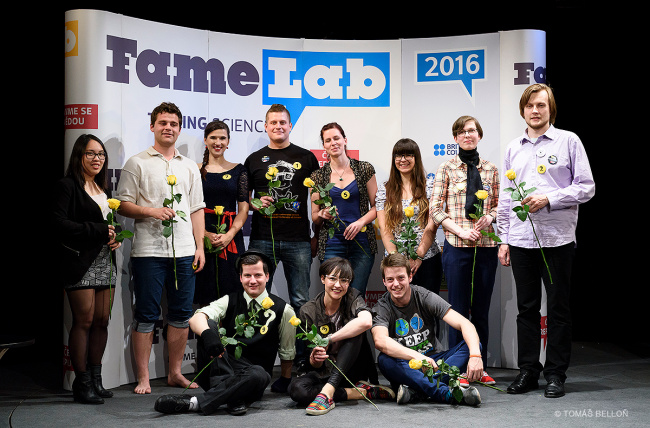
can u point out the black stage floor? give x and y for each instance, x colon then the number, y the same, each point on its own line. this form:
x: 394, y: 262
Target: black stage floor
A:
x: 606, y: 386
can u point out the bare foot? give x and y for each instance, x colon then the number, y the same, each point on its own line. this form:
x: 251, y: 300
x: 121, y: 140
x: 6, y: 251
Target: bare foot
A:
x: 143, y: 387
x: 180, y: 381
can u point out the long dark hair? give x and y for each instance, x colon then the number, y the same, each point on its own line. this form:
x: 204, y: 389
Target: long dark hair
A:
x: 75, y: 166
x: 393, y: 207
x: 209, y: 129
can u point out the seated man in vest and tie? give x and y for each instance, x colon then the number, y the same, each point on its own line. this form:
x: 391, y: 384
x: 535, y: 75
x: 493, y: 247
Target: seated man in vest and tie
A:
x: 236, y: 377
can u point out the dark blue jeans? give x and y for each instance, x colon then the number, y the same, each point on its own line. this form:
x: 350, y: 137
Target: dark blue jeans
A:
x: 398, y: 372
x: 150, y: 276
x: 296, y: 262
x: 457, y: 265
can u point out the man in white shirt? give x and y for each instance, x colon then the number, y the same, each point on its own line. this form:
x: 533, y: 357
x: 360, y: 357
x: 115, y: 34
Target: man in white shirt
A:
x: 158, y: 262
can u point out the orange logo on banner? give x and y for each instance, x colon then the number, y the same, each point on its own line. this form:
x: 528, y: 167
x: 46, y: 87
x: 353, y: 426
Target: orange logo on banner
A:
x: 71, y: 38
x: 321, y: 155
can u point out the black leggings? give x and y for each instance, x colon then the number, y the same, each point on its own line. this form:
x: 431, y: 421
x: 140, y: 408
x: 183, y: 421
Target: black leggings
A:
x: 304, y: 389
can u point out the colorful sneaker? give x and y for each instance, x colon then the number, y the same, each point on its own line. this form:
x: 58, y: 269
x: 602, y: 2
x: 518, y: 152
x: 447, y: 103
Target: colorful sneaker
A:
x: 320, y: 405
x: 376, y: 392
x: 463, y: 382
x: 487, y: 379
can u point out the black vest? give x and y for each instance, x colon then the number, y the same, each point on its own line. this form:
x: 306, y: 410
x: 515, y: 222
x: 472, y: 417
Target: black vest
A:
x: 260, y: 349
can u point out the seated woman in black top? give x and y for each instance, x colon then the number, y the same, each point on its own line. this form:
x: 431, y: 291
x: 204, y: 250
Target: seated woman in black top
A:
x: 340, y: 314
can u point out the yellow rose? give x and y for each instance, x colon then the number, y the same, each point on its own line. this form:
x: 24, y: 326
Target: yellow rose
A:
x: 113, y: 204
x: 218, y: 209
x: 308, y: 182
x: 510, y: 174
x: 267, y: 302
x: 273, y: 171
x: 269, y: 177
x: 294, y: 321
x: 415, y: 364
x: 409, y: 211
x: 481, y: 194
x: 171, y: 180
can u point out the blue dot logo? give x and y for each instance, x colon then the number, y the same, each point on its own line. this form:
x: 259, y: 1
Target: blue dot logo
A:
x: 439, y: 150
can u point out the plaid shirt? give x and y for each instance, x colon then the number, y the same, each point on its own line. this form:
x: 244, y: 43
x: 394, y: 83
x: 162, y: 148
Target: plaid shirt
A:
x: 448, y: 200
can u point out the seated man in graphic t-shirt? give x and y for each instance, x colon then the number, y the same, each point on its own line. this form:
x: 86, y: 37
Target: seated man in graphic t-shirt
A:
x: 404, y: 326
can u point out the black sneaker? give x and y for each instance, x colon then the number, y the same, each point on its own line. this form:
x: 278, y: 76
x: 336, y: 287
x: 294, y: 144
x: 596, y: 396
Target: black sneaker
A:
x: 236, y: 409
x: 173, y: 403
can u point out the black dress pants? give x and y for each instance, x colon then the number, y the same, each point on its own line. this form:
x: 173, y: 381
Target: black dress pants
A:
x: 529, y: 269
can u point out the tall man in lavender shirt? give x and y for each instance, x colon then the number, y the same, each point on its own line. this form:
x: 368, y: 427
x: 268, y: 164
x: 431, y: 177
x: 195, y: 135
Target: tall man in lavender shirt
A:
x: 555, y: 163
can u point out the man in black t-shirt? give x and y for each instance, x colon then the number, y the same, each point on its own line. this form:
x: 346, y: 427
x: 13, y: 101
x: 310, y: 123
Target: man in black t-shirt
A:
x: 284, y: 236
x: 404, y: 329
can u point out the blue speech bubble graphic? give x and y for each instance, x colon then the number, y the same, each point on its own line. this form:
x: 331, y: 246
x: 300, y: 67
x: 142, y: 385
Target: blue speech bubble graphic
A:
x: 299, y: 79
x: 449, y: 66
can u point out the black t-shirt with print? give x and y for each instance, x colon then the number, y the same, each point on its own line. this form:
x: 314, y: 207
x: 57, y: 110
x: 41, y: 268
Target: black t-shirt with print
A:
x: 294, y: 164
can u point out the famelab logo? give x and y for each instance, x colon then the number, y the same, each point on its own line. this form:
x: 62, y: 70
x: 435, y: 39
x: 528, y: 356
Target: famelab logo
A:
x: 299, y: 79
x: 464, y: 67
x: 294, y: 78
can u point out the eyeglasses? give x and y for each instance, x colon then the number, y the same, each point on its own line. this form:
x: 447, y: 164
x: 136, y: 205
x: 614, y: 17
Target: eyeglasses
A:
x: 466, y: 131
x: 407, y: 156
x: 91, y: 155
x: 334, y: 279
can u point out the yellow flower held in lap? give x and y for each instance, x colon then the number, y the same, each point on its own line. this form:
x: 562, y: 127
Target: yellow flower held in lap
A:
x: 113, y: 204
x: 171, y: 180
x: 481, y: 194
x: 267, y: 303
x: 218, y: 209
x: 415, y: 364
x: 294, y: 321
x: 511, y: 174
x: 409, y: 211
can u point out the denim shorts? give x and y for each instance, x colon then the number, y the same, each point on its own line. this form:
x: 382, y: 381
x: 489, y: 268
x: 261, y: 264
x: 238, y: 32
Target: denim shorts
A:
x: 150, y: 276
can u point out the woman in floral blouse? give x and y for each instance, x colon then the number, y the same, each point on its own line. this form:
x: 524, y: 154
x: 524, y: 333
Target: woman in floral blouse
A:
x: 353, y: 195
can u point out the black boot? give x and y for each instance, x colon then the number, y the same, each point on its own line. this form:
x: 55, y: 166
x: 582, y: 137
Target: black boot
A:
x: 83, y: 391
x: 96, y: 379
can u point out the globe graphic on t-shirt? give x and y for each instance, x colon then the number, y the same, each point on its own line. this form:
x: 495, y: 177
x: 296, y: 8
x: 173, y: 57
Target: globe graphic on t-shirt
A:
x: 416, y: 322
x: 401, y: 327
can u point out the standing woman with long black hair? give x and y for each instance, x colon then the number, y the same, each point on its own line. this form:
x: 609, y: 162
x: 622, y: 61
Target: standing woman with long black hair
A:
x: 85, y: 248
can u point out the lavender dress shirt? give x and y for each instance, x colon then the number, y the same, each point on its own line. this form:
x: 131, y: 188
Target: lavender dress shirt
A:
x: 557, y: 165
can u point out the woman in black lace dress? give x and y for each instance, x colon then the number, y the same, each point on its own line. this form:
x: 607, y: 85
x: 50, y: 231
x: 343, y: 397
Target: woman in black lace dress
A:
x: 225, y: 187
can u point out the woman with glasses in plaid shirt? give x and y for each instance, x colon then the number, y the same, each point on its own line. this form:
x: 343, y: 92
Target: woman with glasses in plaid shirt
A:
x: 469, y: 258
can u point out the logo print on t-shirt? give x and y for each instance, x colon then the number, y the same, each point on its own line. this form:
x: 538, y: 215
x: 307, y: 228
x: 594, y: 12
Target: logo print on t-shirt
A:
x: 416, y: 322
x: 401, y: 327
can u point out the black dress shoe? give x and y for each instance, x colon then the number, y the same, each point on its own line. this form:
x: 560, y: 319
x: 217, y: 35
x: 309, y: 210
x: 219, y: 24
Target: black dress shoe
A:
x: 236, y: 409
x: 173, y: 403
x: 554, y: 389
x: 524, y: 382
